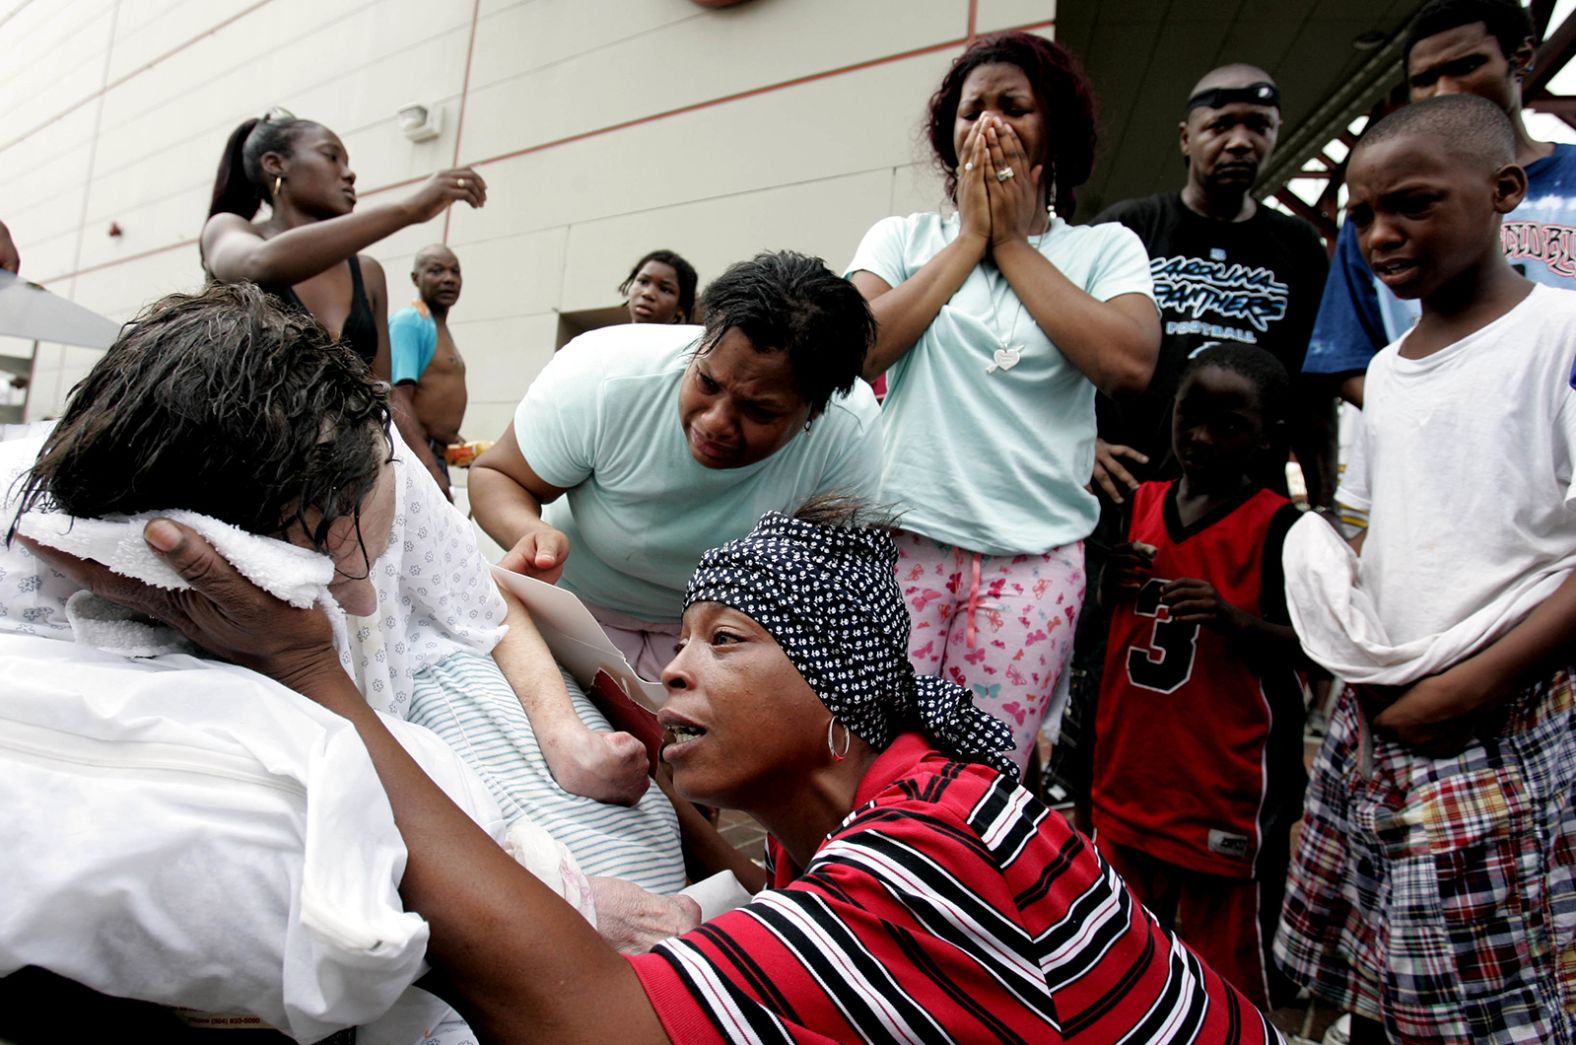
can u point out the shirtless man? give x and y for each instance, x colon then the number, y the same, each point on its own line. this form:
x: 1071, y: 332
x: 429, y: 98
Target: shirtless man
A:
x: 423, y: 354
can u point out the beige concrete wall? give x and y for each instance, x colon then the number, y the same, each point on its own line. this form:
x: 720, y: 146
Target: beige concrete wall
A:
x: 604, y: 128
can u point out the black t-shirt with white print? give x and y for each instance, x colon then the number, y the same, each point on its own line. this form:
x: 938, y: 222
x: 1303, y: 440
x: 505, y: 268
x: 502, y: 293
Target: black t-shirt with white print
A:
x: 1255, y: 282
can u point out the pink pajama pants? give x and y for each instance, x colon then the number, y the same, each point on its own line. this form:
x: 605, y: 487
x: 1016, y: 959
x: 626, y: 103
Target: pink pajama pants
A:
x: 1000, y: 626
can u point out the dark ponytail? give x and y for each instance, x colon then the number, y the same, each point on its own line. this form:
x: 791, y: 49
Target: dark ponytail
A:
x: 233, y: 191
x: 238, y: 187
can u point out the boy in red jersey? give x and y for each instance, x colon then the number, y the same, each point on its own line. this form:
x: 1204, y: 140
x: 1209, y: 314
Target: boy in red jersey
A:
x: 1197, y: 768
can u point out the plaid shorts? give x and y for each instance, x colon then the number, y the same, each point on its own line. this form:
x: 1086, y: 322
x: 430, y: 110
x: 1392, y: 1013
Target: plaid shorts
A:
x: 1437, y: 894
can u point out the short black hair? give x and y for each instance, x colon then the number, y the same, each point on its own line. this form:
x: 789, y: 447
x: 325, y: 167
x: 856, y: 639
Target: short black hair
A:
x: 430, y: 249
x: 1258, y: 366
x: 1506, y: 21
x: 789, y: 302
x: 683, y: 269
x: 223, y: 403
x: 1470, y: 127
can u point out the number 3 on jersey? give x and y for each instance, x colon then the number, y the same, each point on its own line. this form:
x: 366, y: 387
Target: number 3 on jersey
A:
x: 1167, y: 663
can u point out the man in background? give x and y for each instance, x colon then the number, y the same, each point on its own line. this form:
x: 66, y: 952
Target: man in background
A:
x: 1226, y: 269
x: 426, y: 365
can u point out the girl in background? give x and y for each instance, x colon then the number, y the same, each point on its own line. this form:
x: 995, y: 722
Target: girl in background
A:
x: 660, y: 289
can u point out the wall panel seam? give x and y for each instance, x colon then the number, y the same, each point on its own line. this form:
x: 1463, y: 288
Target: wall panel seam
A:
x: 134, y: 72
x: 614, y: 127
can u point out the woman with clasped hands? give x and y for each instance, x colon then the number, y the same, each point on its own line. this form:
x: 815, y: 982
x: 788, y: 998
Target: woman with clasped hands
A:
x: 640, y: 446
x: 997, y: 323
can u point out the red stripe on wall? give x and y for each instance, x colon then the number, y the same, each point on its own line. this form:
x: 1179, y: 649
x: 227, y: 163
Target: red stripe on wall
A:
x: 610, y: 128
x: 465, y: 94
x: 144, y: 67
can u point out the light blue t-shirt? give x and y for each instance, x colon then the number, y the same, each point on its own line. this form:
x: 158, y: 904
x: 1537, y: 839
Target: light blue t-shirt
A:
x: 413, y: 340
x: 991, y: 458
x: 602, y: 422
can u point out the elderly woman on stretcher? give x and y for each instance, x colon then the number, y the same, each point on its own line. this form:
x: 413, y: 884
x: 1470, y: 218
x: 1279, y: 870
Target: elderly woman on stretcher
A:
x: 245, y: 853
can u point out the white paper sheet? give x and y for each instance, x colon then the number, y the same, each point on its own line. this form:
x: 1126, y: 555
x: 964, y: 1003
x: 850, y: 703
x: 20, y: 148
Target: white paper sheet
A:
x: 576, y: 639
x: 718, y: 894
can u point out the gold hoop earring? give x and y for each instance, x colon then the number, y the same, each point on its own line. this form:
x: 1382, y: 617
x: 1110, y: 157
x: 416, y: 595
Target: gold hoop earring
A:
x: 848, y: 740
x: 278, y: 179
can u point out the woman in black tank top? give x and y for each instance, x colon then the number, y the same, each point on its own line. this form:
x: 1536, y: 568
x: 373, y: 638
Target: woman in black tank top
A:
x: 305, y: 251
x: 360, y: 331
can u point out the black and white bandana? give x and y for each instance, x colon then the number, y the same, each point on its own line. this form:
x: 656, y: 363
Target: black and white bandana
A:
x: 829, y: 596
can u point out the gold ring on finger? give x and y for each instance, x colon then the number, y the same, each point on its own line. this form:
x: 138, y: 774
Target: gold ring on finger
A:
x: 1005, y: 174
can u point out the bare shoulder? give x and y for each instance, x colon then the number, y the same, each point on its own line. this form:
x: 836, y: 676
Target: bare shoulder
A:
x: 376, y: 282
x: 227, y: 245
x: 372, y: 271
x: 223, y: 226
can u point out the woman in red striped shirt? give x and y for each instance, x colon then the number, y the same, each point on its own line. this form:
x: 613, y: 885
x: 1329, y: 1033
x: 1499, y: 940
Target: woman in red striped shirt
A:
x: 917, y: 892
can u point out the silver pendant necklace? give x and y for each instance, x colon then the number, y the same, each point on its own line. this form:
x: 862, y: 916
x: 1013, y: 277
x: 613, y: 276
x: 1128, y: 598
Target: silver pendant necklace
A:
x: 1007, y: 356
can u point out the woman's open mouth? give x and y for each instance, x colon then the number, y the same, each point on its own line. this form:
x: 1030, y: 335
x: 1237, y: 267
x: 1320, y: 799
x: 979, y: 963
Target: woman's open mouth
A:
x: 680, y: 740
x: 1393, y: 272
x: 708, y: 451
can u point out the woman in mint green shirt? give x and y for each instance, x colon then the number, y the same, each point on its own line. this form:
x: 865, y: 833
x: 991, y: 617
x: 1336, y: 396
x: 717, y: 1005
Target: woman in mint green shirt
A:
x: 996, y: 325
x: 640, y: 446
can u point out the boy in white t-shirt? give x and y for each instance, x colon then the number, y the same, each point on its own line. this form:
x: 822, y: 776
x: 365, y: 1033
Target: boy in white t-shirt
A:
x: 1432, y: 889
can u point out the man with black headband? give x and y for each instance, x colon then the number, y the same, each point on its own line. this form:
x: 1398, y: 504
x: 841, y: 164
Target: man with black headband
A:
x: 1226, y: 270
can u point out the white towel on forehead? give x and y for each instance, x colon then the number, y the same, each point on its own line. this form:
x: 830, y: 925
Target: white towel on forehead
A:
x: 299, y: 576
x: 435, y: 595
x: 308, y: 887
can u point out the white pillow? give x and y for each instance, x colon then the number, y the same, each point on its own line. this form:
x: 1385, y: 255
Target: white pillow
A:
x: 191, y: 833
